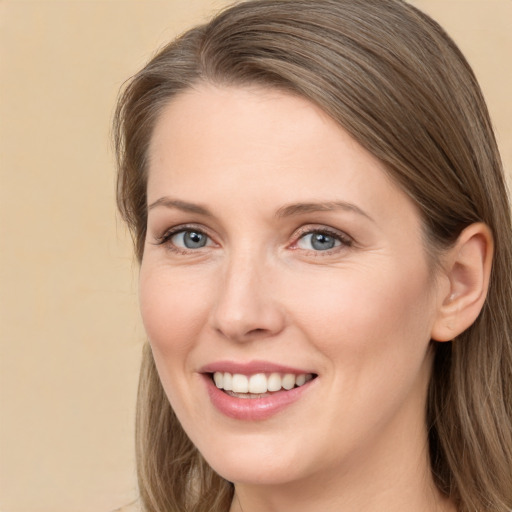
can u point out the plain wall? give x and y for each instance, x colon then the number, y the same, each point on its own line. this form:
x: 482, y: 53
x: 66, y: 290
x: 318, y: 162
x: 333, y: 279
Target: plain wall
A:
x: 70, y: 331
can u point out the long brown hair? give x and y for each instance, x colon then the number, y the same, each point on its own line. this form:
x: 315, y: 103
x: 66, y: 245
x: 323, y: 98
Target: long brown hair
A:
x: 392, y: 78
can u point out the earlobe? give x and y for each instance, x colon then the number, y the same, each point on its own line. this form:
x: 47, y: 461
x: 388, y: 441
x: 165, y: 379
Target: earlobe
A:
x: 467, y: 267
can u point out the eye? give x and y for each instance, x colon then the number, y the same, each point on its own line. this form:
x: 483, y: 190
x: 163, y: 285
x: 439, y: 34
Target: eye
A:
x: 183, y: 239
x: 322, y: 240
x: 189, y: 239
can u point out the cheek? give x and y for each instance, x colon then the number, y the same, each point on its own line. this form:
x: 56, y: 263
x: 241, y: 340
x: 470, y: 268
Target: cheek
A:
x: 367, y: 314
x: 374, y: 336
x: 174, y: 307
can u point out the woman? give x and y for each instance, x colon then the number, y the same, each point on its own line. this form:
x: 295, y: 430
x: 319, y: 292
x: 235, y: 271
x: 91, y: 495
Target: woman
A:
x: 319, y: 210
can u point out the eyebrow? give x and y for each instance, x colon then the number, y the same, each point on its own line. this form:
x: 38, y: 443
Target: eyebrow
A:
x: 329, y: 206
x: 180, y: 205
x: 285, y: 211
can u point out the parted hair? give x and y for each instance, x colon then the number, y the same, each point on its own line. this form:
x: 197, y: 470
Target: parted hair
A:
x: 392, y: 78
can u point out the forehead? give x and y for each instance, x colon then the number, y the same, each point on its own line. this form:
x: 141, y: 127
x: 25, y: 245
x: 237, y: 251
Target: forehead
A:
x: 267, y: 146
x: 244, y: 125
x: 224, y: 115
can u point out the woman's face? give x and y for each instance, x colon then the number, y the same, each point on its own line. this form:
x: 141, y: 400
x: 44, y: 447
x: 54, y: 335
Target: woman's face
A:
x: 279, y: 254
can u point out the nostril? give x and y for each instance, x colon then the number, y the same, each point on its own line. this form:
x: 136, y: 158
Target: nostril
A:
x: 256, y: 331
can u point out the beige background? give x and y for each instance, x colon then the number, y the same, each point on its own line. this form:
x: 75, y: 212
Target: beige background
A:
x: 70, y: 331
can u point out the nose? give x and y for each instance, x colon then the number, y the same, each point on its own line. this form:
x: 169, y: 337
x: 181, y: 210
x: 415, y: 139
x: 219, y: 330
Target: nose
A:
x: 247, y: 305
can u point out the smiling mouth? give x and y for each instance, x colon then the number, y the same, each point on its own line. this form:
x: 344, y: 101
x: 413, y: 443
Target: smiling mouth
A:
x: 258, y: 385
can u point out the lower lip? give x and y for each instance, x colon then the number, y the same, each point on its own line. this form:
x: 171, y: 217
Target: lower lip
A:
x: 253, y: 409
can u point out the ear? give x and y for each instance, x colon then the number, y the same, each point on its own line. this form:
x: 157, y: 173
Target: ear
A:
x: 466, y: 269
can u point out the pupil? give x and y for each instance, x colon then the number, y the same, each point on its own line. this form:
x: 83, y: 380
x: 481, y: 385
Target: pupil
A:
x: 194, y: 240
x: 322, y: 242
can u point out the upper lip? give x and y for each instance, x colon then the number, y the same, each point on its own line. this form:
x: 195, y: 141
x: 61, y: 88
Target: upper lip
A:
x: 250, y: 368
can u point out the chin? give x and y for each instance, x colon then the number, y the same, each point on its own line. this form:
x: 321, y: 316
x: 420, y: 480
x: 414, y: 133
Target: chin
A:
x: 246, y: 460
x: 262, y: 473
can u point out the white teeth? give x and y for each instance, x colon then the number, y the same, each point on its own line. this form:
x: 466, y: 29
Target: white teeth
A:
x: 274, y: 382
x: 218, y: 378
x: 228, y: 382
x: 288, y: 381
x: 259, y: 383
x: 240, y: 383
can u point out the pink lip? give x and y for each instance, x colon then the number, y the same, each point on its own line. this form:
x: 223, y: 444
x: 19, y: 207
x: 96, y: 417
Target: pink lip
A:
x: 253, y: 409
x: 250, y: 368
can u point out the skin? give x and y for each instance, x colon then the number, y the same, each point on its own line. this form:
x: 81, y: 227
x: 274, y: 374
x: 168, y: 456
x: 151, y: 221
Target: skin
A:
x: 359, y: 315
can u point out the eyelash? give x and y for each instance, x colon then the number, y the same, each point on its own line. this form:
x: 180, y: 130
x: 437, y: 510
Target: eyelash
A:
x: 344, y: 240
x: 165, y: 239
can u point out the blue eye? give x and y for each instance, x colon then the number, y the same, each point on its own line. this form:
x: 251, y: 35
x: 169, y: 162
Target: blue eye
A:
x: 318, y: 241
x: 189, y: 239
